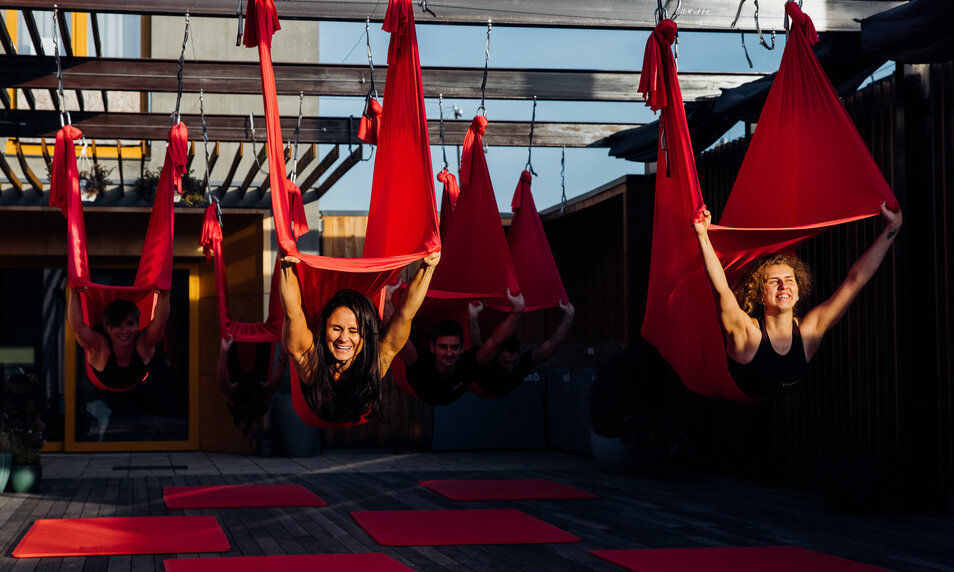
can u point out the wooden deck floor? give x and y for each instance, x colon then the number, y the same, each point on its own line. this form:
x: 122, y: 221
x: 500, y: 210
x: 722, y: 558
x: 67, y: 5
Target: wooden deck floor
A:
x: 631, y: 512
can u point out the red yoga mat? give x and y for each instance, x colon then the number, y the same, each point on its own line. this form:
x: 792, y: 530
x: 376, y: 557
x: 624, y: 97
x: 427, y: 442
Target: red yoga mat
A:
x: 240, y: 496
x: 292, y: 563
x: 731, y: 559
x: 506, y: 489
x: 455, y: 527
x: 122, y: 535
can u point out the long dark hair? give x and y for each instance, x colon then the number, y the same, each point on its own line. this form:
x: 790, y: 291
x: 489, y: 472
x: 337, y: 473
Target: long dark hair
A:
x: 249, y: 396
x: 358, y: 390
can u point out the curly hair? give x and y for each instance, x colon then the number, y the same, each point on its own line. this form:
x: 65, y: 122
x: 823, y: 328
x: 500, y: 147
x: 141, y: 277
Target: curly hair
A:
x: 354, y: 395
x: 748, y: 290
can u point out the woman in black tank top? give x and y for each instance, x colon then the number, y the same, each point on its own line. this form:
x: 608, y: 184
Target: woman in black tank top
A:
x: 768, y: 346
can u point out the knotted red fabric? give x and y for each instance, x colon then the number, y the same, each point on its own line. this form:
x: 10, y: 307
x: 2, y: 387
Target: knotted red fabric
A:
x: 155, y: 265
x: 402, y: 221
x: 370, y: 122
x: 475, y: 262
x: 448, y: 198
x: 269, y: 331
x: 806, y: 170
x: 530, y: 251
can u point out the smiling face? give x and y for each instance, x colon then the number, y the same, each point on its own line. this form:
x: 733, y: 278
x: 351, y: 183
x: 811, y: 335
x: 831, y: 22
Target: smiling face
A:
x: 343, y: 336
x: 447, y: 351
x: 124, y: 333
x: 780, y: 290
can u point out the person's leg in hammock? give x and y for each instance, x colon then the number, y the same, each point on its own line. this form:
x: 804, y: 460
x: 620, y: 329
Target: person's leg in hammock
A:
x: 122, y: 354
x: 509, y: 366
x: 768, y: 346
x: 341, y: 373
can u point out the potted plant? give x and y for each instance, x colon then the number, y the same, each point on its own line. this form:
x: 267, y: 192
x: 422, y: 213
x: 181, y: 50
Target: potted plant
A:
x: 27, y: 442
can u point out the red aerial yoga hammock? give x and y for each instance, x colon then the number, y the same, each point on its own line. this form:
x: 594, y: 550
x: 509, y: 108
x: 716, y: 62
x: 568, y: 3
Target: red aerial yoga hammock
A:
x: 448, y: 198
x: 806, y: 170
x: 402, y: 219
x: 155, y: 264
x: 530, y: 251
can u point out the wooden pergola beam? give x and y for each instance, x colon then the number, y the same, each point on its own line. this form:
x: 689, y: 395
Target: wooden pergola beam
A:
x: 155, y: 126
x: 712, y: 15
x: 149, y: 75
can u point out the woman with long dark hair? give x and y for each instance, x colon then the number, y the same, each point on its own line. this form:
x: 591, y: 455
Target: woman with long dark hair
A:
x: 341, y: 366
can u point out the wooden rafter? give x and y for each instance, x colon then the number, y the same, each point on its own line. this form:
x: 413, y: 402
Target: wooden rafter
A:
x: 350, y: 161
x: 10, y: 175
x: 154, y: 126
x: 724, y: 15
x: 227, y: 182
x: 148, y: 75
x: 98, y: 44
x: 66, y: 42
x: 27, y: 171
x: 38, y: 47
x: 326, y: 162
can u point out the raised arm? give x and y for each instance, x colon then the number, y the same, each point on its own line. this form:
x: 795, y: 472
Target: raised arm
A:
x: 504, y: 329
x: 152, y: 334
x: 90, y: 340
x: 734, y: 321
x: 473, y: 322
x: 543, y: 352
x: 823, y: 317
x: 297, y: 339
x: 408, y: 353
x: 222, y: 369
x: 399, y: 328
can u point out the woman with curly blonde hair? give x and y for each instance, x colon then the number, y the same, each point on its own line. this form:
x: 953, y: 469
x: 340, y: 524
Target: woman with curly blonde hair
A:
x: 768, y: 345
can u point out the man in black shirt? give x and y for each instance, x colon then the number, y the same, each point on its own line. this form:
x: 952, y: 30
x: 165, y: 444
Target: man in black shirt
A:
x: 509, y: 367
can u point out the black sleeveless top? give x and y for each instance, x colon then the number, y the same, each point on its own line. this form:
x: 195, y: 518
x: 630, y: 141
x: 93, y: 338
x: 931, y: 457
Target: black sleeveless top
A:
x: 115, y: 376
x: 769, y: 374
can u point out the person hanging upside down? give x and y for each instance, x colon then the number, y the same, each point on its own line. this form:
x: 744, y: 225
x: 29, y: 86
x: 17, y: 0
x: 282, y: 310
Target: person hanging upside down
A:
x: 509, y: 366
x: 442, y: 373
x: 769, y: 346
x: 121, y: 355
x: 340, y: 367
x: 248, y: 387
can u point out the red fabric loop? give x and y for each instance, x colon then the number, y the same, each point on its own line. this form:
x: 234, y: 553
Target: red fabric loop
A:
x: 665, y: 33
x: 479, y: 124
x: 699, y: 215
x: 261, y: 22
x: 448, y: 199
x: 398, y: 15
x: 296, y: 206
x: 178, y: 153
x: 801, y: 23
x: 370, y: 124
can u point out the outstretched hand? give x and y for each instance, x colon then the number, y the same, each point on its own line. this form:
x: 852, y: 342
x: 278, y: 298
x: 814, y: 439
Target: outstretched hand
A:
x: 475, y: 308
x: 702, y: 226
x: 226, y: 343
x: 567, y: 308
x: 390, y: 289
x: 432, y: 259
x: 892, y: 219
x: 517, y: 302
x: 289, y: 260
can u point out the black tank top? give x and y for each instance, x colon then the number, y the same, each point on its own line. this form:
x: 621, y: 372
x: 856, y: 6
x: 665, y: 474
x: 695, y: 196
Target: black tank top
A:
x: 115, y: 376
x: 769, y: 374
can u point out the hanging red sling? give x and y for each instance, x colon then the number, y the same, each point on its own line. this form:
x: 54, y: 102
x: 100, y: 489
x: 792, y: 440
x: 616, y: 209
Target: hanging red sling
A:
x: 449, y: 198
x: 402, y: 220
x: 155, y: 264
x: 806, y: 170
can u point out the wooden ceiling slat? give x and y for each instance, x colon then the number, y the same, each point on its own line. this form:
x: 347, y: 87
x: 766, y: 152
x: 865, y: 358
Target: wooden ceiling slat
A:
x: 124, y: 74
x: 227, y: 182
x: 722, y: 15
x: 27, y: 171
x: 38, y: 48
x: 10, y: 175
x: 326, y: 162
x: 66, y: 44
x: 155, y: 126
x: 98, y: 44
x: 253, y: 171
x: 350, y: 161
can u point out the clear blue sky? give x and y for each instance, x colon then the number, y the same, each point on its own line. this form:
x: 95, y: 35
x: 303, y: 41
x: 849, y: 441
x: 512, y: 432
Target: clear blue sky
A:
x: 610, y: 50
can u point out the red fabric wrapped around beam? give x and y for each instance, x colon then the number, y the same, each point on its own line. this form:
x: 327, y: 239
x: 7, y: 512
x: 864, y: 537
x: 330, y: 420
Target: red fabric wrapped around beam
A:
x: 402, y: 220
x: 448, y: 199
x: 806, y: 170
x: 155, y: 264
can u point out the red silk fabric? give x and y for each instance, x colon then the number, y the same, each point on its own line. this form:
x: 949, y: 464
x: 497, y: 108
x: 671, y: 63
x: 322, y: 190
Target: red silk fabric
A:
x: 475, y: 261
x: 448, y: 198
x: 806, y: 170
x: 269, y: 331
x: 370, y: 122
x: 530, y: 251
x: 402, y: 221
x: 155, y: 264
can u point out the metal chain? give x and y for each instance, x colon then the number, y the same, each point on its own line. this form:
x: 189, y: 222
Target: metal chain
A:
x: 367, y: 36
x: 64, y: 114
x: 294, y: 170
x: 758, y: 28
x: 440, y: 107
x: 563, y: 179
x: 205, y: 143
x: 425, y: 9
x: 483, y: 83
x: 533, y: 120
x: 185, y: 38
